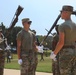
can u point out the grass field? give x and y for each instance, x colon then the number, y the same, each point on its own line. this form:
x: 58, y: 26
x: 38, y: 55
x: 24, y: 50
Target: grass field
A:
x: 43, y: 66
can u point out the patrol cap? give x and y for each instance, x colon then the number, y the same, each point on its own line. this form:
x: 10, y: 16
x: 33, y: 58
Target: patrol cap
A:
x: 67, y: 8
x: 26, y: 20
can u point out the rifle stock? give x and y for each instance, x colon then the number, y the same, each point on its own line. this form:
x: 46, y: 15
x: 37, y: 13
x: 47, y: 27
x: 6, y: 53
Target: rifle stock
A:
x: 14, y: 20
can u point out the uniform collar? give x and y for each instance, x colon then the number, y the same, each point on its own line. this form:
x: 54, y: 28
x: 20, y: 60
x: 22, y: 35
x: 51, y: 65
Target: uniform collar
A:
x: 68, y: 20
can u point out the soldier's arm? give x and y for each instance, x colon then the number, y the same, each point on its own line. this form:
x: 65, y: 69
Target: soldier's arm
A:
x: 36, y: 49
x: 52, y: 45
x: 60, y: 42
x: 19, y: 49
x: 35, y: 46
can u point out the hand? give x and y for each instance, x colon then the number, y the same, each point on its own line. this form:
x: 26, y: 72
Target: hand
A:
x: 20, y: 61
x: 36, y: 49
x: 55, y: 59
x: 52, y: 56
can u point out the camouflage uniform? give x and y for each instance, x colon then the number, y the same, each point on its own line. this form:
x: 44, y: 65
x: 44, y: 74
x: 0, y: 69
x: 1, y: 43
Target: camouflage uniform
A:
x: 36, y: 61
x: 2, y: 55
x: 27, y: 52
x: 55, y: 64
x: 67, y: 55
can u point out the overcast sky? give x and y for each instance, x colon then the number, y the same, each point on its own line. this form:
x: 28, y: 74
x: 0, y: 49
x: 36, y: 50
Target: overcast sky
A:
x: 43, y: 13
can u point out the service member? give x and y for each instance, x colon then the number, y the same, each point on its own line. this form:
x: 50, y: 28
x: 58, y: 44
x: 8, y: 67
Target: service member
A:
x: 2, y: 54
x: 25, y: 48
x: 66, y: 43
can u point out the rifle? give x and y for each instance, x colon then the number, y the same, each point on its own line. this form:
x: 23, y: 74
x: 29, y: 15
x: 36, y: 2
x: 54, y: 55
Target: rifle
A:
x: 54, y: 24
x: 51, y: 28
x: 48, y: 31
x: 14, y: 20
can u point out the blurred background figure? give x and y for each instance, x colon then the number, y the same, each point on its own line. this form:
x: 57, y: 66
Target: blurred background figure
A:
x: 41, y: 51
x: 8, y: 50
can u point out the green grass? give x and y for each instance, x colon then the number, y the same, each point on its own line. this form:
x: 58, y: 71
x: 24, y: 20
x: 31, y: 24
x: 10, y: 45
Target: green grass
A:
x: 43, y: 66
x: 13, y: 64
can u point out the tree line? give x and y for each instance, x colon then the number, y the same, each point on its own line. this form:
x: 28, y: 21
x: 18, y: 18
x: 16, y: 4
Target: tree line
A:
x: 13, y: 34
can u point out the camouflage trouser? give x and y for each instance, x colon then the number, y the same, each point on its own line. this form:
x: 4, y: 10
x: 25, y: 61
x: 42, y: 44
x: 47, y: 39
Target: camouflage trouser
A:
x: 55, y: 66
x: 36, y: 61
x: 28, y: 65
x: 67, y: 61
x: 2, y: 59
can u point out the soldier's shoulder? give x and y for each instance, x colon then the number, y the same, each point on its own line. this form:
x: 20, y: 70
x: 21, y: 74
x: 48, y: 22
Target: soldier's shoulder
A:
x: 20, y: 32
x: 63, y: 25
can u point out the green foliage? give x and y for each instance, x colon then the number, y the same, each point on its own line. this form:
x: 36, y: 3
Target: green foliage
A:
x: 13, y: 34
x: 47, y: 42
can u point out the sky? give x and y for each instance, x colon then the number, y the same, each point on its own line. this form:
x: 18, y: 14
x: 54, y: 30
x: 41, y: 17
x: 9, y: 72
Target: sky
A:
x: 42, y: 13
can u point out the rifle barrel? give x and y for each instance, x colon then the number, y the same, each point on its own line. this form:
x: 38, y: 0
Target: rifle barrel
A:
x: 17, y: 13
x: 15, y: 19
x: 52, y: 27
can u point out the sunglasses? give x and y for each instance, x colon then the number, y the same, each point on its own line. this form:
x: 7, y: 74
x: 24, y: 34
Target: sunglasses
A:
x: 29, y: 22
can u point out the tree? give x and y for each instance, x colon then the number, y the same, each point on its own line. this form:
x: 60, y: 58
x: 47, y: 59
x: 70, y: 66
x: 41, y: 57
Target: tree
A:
x: 3, y: 27
x: 13, y: 34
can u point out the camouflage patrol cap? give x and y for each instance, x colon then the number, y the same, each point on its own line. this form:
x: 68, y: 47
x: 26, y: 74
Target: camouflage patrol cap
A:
x: 67, y: 8
x: 26, y: 20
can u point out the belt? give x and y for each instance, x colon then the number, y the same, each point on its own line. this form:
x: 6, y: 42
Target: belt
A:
x: 69, y: 46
